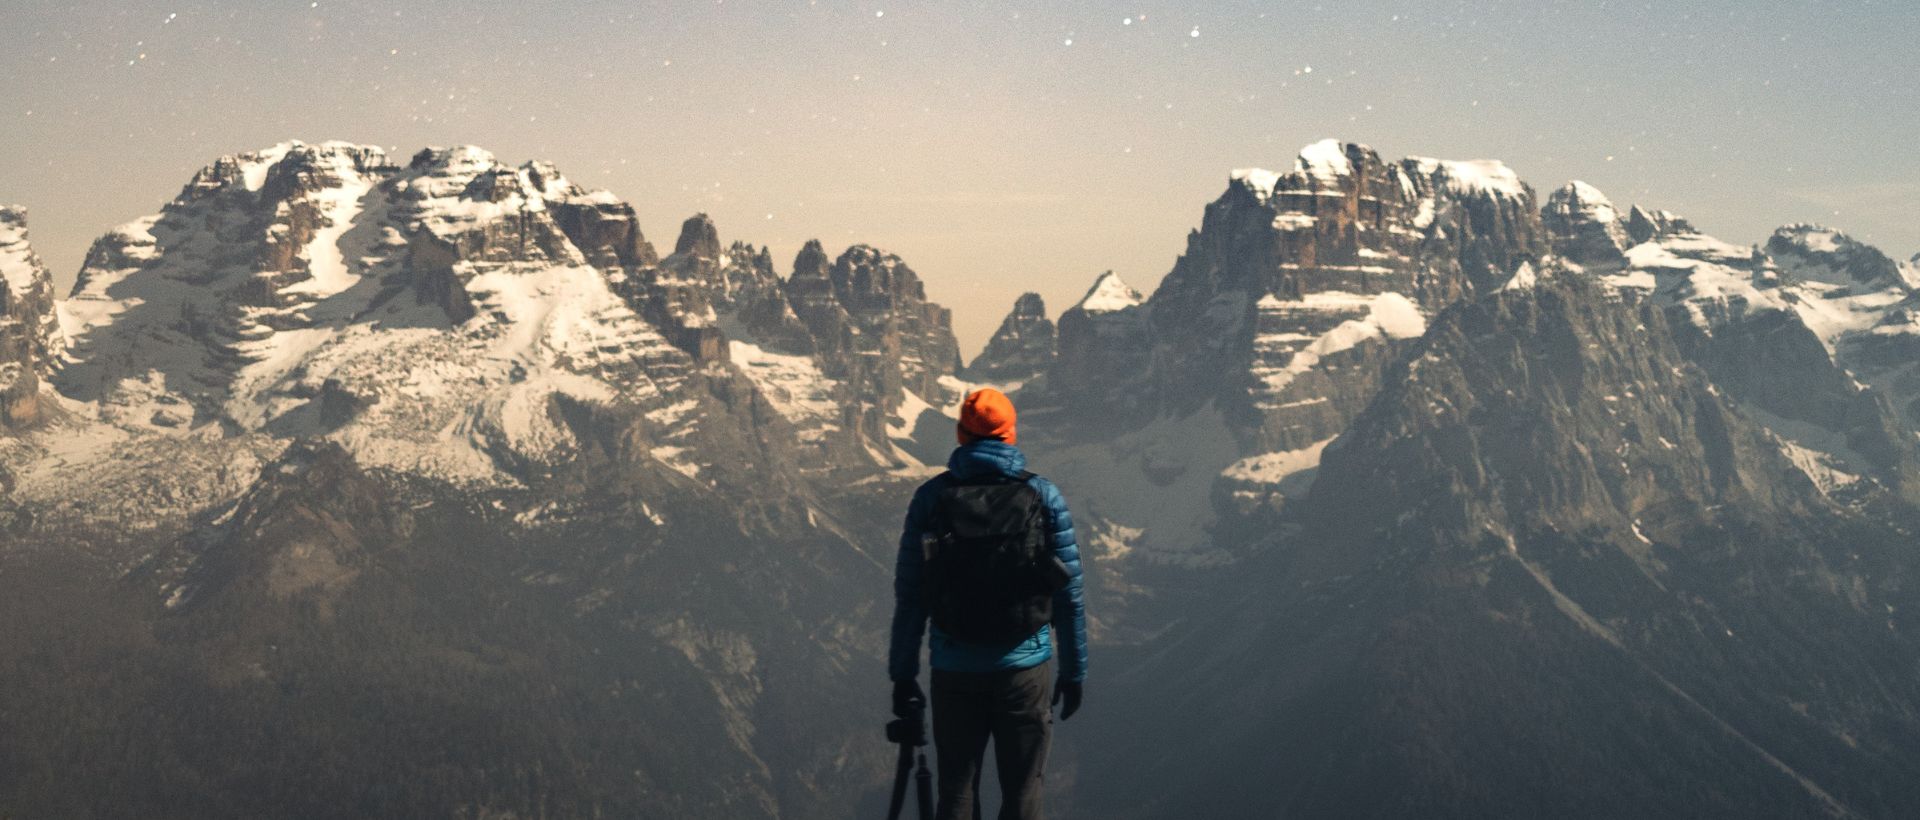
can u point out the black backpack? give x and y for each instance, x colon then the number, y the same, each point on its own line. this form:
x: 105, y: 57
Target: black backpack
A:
x: 989, y: 574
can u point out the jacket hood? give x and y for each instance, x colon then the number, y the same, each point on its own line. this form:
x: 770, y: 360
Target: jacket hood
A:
x: 986, y: 457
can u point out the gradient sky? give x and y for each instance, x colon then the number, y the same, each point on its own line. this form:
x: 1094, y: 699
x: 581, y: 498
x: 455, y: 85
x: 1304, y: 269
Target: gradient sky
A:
x: 998, y: 147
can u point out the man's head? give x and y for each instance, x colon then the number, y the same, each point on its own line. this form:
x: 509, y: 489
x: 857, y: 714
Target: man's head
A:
x: 986, y: 414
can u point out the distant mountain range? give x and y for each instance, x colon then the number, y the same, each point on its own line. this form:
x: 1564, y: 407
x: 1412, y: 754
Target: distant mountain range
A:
x: 345, y: 487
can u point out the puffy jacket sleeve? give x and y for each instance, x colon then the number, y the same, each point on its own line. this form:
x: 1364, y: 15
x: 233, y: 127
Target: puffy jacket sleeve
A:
x: 909, y: 609
x: 1069, y: 604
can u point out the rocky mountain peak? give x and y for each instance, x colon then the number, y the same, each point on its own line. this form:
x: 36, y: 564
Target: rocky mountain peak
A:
x: 1102, y: 344
x: 1021, y: 349
x: 1813, y: 252
x: 812, y: 261
x: 1029, y: 305
x: 698, y: 237
x: 1647, y: 225
x: 1327, y: 165
x: 1108, y: 294
x: 1283, y: 259
x: 1584, y: 226
x: 888, y: 302
x: 456, y: 161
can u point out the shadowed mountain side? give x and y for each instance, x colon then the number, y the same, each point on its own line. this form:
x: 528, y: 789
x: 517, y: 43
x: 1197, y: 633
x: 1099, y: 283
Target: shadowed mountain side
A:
x: 325, y: 631
x: 1548, y: 572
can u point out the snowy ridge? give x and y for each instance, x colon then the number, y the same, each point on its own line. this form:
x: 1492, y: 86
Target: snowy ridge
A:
x: 1259, y: 180
x: 432, y: 318
x: 1324, y: 161
x: 1717, y: 282
x: 1815, y: 253
x: 254, y: 295
x: 1478, y: 177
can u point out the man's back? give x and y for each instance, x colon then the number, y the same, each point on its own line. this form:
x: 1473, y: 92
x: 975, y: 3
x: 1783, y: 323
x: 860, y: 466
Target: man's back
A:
x: 989, y: 687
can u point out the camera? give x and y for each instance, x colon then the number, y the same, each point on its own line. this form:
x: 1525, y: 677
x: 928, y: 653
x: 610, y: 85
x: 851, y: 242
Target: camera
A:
x: 911, y: 731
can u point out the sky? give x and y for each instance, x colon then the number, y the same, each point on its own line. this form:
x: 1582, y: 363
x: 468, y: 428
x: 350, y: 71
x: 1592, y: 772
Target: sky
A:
x: 997, y: 147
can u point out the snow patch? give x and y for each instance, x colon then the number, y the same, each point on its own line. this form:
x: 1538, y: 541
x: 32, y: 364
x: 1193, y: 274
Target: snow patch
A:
x: 1260, y: 180
x: 1386, y: 315
x: 1480, y: 176
x: 1274, y: 468
x: 1324, y: 161
x: 1523, y: 278
x: 1156, y: 481
x: 1109, y: 295
x: 793, y: 384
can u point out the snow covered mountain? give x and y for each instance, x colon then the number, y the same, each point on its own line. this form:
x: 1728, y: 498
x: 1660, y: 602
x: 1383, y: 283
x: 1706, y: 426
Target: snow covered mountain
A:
x: 1267, y: 337
x: 320, y: 379
x: 1811, y: 333
x: 1270, y: 333
x: 610, y: 530
x: 472, y: 323
x: 1549, y: 545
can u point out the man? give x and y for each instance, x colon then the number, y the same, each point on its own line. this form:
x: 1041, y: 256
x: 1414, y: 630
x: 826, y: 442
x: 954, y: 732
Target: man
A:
x: 988, y: 555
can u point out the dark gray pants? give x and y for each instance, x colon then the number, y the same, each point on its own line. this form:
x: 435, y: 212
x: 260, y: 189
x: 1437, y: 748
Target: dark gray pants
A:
x: 1012, y: 708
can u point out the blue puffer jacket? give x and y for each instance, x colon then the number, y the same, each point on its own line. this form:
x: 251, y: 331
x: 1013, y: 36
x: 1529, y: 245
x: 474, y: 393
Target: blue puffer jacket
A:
x: 968, y: 462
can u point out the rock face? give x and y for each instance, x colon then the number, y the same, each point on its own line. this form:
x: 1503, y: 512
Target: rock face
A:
x: 1545, y: 486
x: 1104, y: 346
x: 1814, y: 253
x: 1645, y: 225
x: 432, y: 318
x: 889, y: 307
x: 1585, y: 228
x: 1613, y: 429
x: 318, y: 380
x: 29, y: 329
x: 306, y: 528
x: 1021, y: 349
x: 1500, y: 489
x: 1341, y: 226
x: 1793, y: 332
x: 1295, y: 291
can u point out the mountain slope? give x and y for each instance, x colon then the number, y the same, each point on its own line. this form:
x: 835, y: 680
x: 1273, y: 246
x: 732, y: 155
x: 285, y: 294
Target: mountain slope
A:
x: 446, y: 459
x: 1549, y: 570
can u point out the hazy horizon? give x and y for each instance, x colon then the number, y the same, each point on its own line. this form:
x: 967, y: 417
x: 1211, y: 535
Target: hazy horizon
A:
x: 996, y: 148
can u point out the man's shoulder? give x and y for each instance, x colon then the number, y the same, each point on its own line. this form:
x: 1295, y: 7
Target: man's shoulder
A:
x: 934, y: 484
x: 1046, y: 488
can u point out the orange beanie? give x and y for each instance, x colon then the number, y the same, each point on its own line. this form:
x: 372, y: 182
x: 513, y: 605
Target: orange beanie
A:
x: 987, y: 413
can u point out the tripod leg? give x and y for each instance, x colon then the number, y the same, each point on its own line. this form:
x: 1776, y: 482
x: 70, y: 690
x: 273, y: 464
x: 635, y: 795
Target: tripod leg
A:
x: 900, y: 774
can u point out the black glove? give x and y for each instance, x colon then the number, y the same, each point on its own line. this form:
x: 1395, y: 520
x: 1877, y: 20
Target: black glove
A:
x: 908, y: 700
x: 1069, y: 692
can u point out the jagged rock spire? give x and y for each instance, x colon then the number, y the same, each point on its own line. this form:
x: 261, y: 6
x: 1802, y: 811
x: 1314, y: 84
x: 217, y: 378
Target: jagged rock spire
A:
x: 698, y: 237
x: 1022, y: 348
